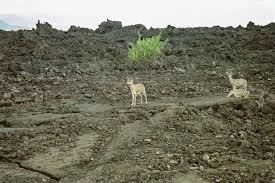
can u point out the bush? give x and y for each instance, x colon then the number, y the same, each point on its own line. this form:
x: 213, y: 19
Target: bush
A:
x: 145, y: 48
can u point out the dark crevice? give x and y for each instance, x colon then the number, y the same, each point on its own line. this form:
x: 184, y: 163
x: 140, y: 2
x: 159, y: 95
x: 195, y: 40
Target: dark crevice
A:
x: 3, y: 159
x: 38, y: 171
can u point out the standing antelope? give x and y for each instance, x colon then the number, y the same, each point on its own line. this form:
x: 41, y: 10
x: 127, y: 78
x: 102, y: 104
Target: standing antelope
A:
x: 236, y: 82
x: 136, y: 89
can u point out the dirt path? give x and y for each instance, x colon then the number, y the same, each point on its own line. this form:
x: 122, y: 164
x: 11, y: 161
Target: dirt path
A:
x: 164, y: 140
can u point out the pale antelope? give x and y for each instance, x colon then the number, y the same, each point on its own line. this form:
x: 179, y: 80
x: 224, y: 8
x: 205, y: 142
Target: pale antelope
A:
x: 236, y: 82
x: 136, y: 89
x: 239, y: 93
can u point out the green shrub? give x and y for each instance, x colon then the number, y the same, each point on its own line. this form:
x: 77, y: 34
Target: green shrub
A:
x: 145, y: 48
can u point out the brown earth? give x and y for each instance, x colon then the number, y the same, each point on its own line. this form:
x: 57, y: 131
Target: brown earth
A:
x: 65, y: 113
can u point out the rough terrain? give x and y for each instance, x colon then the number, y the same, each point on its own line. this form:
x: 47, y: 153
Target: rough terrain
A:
x: 65, y: 113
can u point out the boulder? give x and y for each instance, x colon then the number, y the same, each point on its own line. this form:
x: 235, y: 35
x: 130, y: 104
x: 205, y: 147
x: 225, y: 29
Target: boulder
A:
x: 108, y: 26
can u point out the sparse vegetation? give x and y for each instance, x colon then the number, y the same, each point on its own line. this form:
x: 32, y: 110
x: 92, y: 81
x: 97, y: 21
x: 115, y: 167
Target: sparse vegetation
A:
x: 145, y: 48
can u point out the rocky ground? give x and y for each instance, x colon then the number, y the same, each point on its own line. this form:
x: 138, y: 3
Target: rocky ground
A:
x: 65, y: 113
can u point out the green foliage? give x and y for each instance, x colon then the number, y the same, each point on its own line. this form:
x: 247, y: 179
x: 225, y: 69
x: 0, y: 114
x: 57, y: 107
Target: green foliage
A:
x: 145, y: 48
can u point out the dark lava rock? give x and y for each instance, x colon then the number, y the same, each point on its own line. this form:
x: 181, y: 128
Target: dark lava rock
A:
x: 108, y: 26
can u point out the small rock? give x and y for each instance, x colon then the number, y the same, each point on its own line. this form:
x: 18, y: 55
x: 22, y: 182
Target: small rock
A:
x: 44, y: 180
x: 179, y: 69
x: 226, y: 148
x: 155, y: 171
x: 147, y: 140
x: 218, y: 136
x: 169, y: 155
x: 173, y: 162
x: 83, y: 85
x: 205, y: 157
x: 232, y: 136
x: 56, y: 83
x: 168, y: 166
x: 157, y: 153
x: 242, y: 134
x: 193, y: 168
x: 201, y: 168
